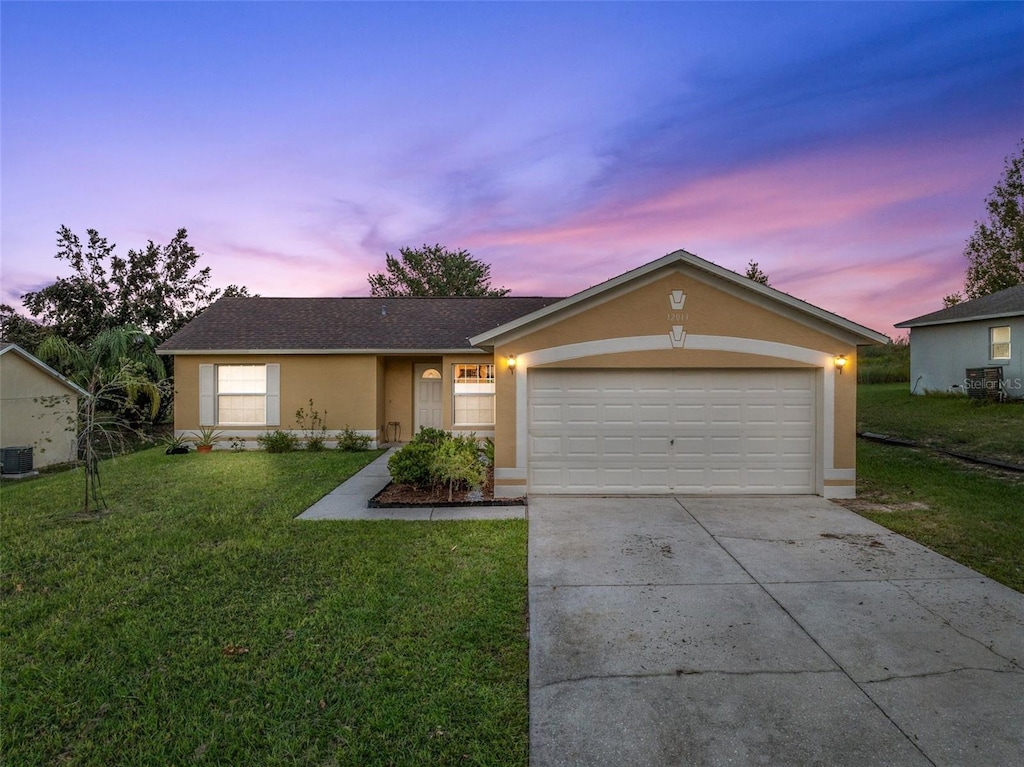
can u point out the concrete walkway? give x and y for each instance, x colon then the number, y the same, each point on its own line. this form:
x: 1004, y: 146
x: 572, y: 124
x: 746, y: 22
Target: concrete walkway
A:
x: 348, y: 501
x: 762, y: 631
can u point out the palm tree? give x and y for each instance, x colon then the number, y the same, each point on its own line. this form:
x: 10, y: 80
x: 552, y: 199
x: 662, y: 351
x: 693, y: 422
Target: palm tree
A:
x: 119, y: 369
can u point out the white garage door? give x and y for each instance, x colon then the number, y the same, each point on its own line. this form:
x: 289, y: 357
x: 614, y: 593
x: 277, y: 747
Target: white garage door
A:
x: 671, y: 431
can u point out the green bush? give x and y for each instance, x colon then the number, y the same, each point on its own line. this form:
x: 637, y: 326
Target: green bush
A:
x: 456, y: 463
x: 436, y: 457
x: 351, y: 441
x: 412, y: 465
x: 313, y: 426
x: 431, y: 436
x: 278, y: 441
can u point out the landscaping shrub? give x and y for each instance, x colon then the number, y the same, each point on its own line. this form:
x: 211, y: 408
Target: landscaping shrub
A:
x: 313, y: 426
x: 456, y: 463
x: 351, y: 441
x: 278, y: 441
x: 431, y: 436
x: 436, y: 457
x: 412, y: 465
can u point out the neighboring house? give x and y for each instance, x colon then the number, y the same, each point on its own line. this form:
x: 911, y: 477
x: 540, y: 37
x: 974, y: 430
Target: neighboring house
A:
x: 677, y: 377
x: 38, y: 408
x: 975, y: 347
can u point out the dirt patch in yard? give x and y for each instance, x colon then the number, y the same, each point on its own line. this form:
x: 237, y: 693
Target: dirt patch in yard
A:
x: 870, y: 506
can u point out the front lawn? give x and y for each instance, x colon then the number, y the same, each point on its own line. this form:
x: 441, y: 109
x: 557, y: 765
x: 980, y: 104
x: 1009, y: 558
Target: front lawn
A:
x: 948, y: 422
x: 196, y: 622
x: 968, y: 512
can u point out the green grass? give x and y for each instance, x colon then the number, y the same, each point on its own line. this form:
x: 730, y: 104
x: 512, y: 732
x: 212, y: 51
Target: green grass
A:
x: 957, y: 509
x: 889, y: 363
x: 972, y: 514
x: 949, y: 422
x: 196, y: 622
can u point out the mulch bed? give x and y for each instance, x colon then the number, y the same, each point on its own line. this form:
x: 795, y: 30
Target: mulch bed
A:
x: 395, y: 496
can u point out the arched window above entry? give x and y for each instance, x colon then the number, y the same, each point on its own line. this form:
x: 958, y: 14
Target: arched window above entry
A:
x: 431, y: 373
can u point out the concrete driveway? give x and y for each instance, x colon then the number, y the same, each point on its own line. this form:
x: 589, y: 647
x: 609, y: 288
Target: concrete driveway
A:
x: 762, y: 631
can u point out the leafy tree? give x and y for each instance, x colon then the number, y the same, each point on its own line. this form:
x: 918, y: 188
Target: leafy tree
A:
x: 102, y: 432
x: 19, y: 330
x: 995, y: 252
x: 117, y: 369
x: 102, y: 365
x: 157, y: 288
x: 433, y: 270
x: 754, y: 273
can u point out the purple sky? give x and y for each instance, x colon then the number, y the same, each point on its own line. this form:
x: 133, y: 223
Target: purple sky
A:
x: 847, y: 148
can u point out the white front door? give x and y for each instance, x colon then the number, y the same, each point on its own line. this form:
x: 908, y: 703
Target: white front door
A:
x: 428, y: 396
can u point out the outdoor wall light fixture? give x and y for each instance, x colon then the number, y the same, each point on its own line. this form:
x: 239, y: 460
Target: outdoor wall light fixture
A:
x: 840, y: 363
x: 511, y: 364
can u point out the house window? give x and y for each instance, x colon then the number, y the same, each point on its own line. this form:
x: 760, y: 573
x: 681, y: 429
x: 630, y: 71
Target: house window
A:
x: 999, y: 343
x: 239, y: 395
x: 473, y: 391
x: 242, y: 394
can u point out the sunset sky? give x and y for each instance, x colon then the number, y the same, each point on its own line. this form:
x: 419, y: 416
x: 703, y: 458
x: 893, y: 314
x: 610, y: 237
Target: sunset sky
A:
x: 847, y: 148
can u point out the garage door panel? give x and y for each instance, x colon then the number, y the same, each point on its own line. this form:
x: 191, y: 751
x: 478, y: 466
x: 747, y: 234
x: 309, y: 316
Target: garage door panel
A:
x: 582, y: 447
x: 656, y: 414
x: 725, y: 448
x: 796, y: 448
x: 689, y: 414
x: 681, y: 431
x: 613, y: 414
x: 652, y: 447
x: 762, y: 447
x: 583, y: 414
x: 581, y: 476
x: 761, y: 414
x: 546, y: 413
x: 545, y: 447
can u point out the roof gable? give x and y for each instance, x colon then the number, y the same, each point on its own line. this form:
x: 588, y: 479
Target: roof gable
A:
x: 1004, y: 303
x: 752, y: 291
x: 38, y: 363
x: 346, y: 325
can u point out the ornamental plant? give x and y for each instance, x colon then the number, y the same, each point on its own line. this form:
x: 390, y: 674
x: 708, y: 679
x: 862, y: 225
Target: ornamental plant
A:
x: 436, y: 457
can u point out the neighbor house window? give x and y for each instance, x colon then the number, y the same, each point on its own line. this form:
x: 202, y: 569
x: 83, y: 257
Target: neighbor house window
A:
x: 999, y: 339
x: 473, y: 389
x: 239, y: 395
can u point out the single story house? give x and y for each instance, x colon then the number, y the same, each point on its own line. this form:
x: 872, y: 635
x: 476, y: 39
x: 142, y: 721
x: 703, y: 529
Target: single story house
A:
x: 38, y: 408
x: 975, y: 347
x: 676, y: 377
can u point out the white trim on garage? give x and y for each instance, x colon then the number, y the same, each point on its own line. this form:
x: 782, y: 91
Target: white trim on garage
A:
x: 665, y: 342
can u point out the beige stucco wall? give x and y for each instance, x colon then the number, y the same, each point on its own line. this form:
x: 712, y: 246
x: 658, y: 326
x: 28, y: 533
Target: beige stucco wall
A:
x: 25, y: 418
x: 708, y: 310
x: 342, y: 386
x: 398, y: 395
x: 364, y: 392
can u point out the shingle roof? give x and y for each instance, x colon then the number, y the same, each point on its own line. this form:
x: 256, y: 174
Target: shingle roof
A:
x: 1004, y: 303
x: 347, y: 324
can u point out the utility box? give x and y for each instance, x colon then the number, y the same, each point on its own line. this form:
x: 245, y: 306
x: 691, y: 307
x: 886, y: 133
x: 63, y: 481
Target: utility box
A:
x: 984, y: 383
x: 16, y: 460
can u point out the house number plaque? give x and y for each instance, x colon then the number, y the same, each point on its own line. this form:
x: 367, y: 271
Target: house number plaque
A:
x: 676, y: 317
